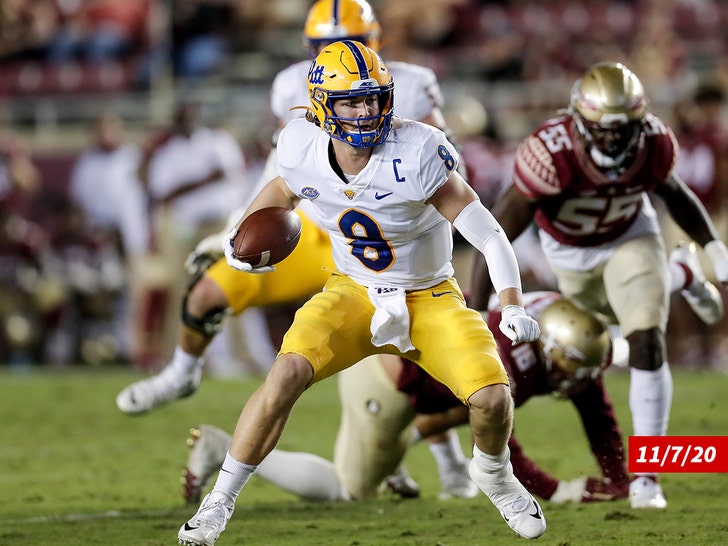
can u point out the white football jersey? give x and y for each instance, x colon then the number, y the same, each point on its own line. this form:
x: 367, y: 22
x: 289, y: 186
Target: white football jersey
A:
x: 382, y: 231
x: 416, y: 91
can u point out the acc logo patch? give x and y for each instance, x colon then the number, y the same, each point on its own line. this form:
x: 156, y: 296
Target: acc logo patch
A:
x: 310, y: 192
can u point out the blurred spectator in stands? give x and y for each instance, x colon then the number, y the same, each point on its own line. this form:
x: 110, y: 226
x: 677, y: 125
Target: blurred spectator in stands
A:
x: 702, y: 132
x: 410, y: 29
x: 201, y: 32
x: 99, y: 30
x: 31, y: 293
x: 194, y: 177
x: 26, y: 26
x: 657, y: 51
x: 105, y: 190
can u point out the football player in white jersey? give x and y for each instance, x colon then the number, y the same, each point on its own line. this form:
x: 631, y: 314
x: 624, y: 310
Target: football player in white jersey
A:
x: 585, y: 177
x: 388, y: 193
x: 218, y: 290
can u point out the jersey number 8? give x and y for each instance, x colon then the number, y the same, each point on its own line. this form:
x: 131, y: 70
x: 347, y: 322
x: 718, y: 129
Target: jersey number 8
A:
x: 366, y: 240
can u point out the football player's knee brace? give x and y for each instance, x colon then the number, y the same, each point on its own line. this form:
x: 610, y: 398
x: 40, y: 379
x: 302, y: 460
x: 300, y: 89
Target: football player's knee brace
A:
x: 646, y: 349
x: 208, y: 324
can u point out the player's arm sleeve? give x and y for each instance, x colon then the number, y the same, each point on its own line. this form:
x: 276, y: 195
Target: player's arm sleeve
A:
x: 483, y: 231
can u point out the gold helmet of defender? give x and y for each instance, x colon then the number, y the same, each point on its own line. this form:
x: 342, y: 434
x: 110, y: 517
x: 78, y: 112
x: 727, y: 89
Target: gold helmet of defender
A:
x: 576, y: 345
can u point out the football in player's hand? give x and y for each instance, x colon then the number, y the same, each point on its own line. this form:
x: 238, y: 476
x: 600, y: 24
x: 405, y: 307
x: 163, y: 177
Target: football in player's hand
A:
x: 267, y: 236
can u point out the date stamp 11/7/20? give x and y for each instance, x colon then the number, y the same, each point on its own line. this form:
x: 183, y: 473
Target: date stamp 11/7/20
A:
x: 677, y: 454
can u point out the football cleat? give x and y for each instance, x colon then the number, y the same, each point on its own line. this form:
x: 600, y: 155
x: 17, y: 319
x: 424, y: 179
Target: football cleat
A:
x: 208, y: 448
x: 209, y: 521
x: 155, y: 391
x: 456, y: 483
x: 402, y: 484
x: 519, y: 509
x: 702, y: 296
x: 645, y: 492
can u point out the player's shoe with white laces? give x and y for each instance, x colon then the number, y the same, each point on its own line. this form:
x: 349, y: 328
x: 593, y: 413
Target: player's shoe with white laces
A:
x: 702, y: 296
x: 456, y: 483
x: 157, y: 390
x: 402, y: 484
x: 208, y: 447
x: 644, y: 492
x: 519, y: 509
x: 205, y: 526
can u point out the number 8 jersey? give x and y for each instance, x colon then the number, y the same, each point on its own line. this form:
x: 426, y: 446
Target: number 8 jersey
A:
x: 382, y: 231
x: 581, y: 205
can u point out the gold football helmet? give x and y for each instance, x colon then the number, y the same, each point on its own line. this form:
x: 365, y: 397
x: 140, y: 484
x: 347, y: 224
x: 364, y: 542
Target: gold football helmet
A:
x: 346, y: 70
x: 575, y: 344
x: 608, y: 104
x: 333, y: 20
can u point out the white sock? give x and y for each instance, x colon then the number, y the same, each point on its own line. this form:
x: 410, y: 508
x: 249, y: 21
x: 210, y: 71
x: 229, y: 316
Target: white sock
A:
x: 309, y: 476
x: 185, y: 364
x: 493, y: 474
x: 448, y: 454
x: 232, y: 477
x: 495, y: 465
x: 650, y: 399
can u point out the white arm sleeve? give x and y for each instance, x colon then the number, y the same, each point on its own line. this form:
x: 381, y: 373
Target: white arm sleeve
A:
x: 482, y: 230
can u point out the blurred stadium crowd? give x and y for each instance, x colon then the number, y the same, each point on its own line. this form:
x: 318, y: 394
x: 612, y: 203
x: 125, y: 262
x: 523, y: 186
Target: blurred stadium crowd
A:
x: 90, y: 90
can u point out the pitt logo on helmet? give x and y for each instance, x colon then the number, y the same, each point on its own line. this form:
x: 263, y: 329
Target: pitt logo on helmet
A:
x: 347, y: 70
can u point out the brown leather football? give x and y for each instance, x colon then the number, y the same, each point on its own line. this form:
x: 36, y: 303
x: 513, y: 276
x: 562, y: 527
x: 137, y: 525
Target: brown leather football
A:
x: 267, y: 236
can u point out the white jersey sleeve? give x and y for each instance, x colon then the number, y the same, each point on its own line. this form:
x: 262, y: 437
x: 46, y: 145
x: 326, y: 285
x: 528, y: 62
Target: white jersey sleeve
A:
x: 416, y: 90
x: 290, y: 89
x: 382, y: 230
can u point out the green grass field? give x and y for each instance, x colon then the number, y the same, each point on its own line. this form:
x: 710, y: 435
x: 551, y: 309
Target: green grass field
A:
x: 75, y: 471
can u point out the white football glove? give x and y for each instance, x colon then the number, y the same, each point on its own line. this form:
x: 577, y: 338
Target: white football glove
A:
x: 569, y: 491
x: 227, y: 247
x: 517, y: 325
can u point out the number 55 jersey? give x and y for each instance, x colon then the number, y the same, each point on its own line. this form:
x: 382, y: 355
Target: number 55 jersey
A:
x: 582, y: 205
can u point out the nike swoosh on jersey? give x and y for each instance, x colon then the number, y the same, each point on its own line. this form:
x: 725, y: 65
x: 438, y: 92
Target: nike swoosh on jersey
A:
x: 438, y: 294
x: 379, y: 196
